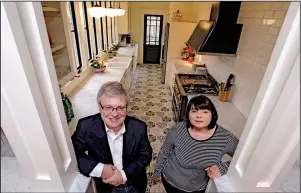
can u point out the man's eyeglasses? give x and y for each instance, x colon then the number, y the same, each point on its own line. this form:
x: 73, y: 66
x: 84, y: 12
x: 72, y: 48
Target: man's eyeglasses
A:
x: 111, y: 109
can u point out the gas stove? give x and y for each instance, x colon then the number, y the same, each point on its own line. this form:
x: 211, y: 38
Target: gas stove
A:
x: 197, y: 84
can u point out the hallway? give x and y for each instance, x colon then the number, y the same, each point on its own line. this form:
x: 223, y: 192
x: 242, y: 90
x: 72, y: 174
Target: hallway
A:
x: 150, y: 101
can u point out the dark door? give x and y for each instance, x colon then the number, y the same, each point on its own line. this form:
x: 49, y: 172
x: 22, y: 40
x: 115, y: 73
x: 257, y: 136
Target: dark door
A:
x: 152, y: 38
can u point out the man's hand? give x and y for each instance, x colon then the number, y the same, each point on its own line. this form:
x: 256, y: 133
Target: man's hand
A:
x: 213, y: 172
x: 157, y: 180
x: 107, y: 171
x: 116, y: 179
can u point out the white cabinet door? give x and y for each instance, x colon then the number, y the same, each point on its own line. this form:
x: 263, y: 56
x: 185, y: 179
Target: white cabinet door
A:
x: 123, y: 21
x: 135, y: 59
x: 129, y: 74
x: 123, y: 80
x: 172, y: 76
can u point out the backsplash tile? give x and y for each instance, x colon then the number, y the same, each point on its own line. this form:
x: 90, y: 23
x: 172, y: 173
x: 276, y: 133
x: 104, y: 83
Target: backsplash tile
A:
x: 262, y: 22
x: 6, y: 150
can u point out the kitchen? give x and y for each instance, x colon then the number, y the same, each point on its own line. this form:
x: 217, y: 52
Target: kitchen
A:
x: 247, y: 80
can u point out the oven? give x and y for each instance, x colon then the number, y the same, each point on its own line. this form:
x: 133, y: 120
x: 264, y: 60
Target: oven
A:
x: 179, y: 101
x: 190, y: 84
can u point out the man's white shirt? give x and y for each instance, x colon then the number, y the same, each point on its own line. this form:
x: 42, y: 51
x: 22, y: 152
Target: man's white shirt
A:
x: 116, y: 147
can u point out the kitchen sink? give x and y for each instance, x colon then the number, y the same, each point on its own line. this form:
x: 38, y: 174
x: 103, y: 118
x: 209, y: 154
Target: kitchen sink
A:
x: 128, y: 55
x: 117, y: 64
x: 121, y: 59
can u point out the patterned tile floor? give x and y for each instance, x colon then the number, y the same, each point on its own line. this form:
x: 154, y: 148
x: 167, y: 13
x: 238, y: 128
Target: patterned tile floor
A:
x: 150, y: 101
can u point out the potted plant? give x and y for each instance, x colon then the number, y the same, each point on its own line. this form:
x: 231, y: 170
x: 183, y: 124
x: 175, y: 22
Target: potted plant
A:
x: 98, y: 66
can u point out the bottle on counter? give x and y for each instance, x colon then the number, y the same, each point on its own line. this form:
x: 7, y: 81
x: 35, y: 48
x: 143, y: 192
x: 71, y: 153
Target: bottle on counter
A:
x: 67, y: 107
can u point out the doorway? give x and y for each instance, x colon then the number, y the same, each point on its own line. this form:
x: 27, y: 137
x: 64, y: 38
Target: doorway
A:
x: 152, y: 38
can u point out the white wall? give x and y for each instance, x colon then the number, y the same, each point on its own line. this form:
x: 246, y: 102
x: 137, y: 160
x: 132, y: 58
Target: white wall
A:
x: 201, y: 11
x: 186, y: 8
x: 261, y: 24
x: 191, y: 11
x: 179, y: 33
x: 138, y: 9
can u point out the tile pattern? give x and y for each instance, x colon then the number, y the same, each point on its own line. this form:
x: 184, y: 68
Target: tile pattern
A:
x: 150, y: 101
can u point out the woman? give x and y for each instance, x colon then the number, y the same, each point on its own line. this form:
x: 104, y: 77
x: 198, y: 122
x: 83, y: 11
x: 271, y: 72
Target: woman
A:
x: 193, y: 149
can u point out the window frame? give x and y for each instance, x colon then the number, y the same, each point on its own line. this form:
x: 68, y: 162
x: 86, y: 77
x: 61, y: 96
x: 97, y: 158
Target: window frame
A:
x: 95, y: 31
x: 102, y: 31
x: 87, y: 31
x: 107, y: 35
x: 74, y: 32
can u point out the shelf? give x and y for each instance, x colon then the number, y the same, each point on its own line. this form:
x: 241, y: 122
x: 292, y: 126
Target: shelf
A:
x: 50, y: 9
x: 57, y: 47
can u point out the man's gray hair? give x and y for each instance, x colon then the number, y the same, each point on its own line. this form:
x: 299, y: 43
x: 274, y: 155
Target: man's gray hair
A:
x: 112, y: 89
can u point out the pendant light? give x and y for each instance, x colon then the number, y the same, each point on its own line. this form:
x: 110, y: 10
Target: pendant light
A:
x: 110, y: 11
x: 97, y: 11
x: 120, y: 11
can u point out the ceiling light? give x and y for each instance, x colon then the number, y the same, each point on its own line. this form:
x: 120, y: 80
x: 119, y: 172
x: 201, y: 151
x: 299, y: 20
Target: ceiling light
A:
x: 97, y: 11
x: 111, y: 12
x: 120, y: 11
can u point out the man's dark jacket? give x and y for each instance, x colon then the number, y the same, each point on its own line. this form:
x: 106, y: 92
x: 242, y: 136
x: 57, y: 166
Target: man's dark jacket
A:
x: 91, y: 136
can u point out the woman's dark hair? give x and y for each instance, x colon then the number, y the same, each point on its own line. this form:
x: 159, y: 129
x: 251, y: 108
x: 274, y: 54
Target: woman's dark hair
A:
x: 202, y: 102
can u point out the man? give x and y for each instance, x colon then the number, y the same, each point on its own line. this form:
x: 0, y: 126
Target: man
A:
x: 118, y: 149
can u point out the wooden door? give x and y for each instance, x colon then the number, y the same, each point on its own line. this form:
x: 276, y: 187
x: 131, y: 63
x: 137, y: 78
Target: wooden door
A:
x: 152, y: 38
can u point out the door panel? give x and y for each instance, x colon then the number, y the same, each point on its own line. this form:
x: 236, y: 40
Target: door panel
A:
x: 152, y: 38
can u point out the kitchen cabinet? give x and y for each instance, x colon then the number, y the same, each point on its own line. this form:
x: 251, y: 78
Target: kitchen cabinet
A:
x: 56, y: 22
x: 172, y: 77
x: 126, y: 79
x: 135, y: 58
x: 123, y: 22
x: 122, y: 81
x: 178, y: 66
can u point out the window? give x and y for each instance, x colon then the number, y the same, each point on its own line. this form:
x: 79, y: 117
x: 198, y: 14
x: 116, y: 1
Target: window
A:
x: 102, y: 28
x: 112, y: 37
x: 111, y: 25
x: 115, y: 29
x: 153, y: 24
x: 74, y: 33
x: 106, y: 20
x: 95, y: 34
x: 86, y: 26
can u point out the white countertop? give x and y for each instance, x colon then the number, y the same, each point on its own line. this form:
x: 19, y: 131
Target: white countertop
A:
x: 229, y: 116
x: 182, y: 66
x: 83, y: 100
x: 14, y: 180
x: 12, y: 177
x: 80, y: 183
x: 233, y: 120
x: 124, y: 64
x: 126, y: 51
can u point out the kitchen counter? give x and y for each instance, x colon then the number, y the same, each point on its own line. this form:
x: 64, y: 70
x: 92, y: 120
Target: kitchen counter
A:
x: 84, y: 104
x: 13, y: 179
x: 182, y: 66
x: 126, y: 51
x: 83, y: 100
x: 229, y: 116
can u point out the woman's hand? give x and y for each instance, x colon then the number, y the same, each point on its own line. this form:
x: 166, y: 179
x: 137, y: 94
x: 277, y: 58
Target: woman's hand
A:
x: 213, y: 172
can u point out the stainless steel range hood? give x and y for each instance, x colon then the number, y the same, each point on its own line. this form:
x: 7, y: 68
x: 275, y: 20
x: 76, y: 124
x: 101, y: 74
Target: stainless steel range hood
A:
x: 220, y: 35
